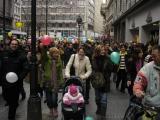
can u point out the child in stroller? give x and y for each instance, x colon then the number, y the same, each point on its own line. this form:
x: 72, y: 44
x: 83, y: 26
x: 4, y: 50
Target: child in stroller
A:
x: 73, y: 100
x: 73, y: 96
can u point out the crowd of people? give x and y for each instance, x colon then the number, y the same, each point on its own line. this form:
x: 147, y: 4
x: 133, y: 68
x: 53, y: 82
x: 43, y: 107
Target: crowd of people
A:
x: 89, y: 60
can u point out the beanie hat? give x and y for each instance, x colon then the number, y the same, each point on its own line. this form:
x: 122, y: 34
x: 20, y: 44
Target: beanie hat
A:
x: 73, y: 89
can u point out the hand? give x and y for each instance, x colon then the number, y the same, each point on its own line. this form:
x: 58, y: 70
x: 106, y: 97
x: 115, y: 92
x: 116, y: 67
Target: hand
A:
x: 139, y: 94
x: 67, y: 102
x: 82, y: 77
x: 128, y: 83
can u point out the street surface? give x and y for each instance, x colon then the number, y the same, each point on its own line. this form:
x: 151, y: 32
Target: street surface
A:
x: 117, y: 104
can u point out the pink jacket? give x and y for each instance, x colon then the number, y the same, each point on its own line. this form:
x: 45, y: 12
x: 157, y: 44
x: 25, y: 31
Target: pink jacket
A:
x: 68, y: 99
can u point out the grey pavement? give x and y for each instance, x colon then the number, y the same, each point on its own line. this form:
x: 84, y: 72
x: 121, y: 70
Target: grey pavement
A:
x: 117, y: 104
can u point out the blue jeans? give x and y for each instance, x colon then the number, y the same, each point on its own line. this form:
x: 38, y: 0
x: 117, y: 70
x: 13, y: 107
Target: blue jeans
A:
x: 101, y: 97
x: 101, y: 101
x: 52, y: 99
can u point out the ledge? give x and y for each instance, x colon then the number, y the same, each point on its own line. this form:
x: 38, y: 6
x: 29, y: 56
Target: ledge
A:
x: 130, y: 10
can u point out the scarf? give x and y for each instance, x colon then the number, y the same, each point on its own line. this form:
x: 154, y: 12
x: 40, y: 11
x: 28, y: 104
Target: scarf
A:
x: 138, y: 65
x: 54, y: 74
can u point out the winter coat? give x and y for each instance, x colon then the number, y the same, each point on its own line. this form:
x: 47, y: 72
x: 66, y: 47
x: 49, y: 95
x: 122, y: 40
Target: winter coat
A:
x: 69, y: 99
x: 67, y: 54
x: 48, y: 73
x: 13, y: 61
x: 104, y: 65
x: 82, y: 67
x: 147, y: 80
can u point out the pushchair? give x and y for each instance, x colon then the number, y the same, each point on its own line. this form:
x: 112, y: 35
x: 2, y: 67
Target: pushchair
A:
x: 73, y: 111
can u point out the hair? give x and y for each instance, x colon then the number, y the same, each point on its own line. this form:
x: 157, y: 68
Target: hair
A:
x: 136, y: 53
x: 97, y: 50
x: 13, y: 40
x: 54, y: 50
x: 81, y: 47
x: 156, y: 47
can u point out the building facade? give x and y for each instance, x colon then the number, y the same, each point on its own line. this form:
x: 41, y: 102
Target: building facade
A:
x: 137, y: 20
x: 61, y: 16
x: 16, y: 13
x: 8, y: 14
x: 98, y: 21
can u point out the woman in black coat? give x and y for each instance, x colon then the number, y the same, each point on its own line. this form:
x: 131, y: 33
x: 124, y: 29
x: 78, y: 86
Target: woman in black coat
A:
x: 101, y: 63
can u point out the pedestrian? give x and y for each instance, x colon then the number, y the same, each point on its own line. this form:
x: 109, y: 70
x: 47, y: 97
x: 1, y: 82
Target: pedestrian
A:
x: 102, y: 67
x: 134, y: 64
x: 13, y: 60
x: 53, y: 79
x: 122, y: 69
x: 81, y: 64
x: 147, y: 83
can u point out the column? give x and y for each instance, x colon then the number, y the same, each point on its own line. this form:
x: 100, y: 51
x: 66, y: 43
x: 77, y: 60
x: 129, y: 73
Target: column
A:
x: 143, y: 35
x: 128, y: 35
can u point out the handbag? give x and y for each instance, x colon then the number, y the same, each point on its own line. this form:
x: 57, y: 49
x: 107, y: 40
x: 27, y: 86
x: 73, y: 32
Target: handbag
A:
x: 72, y: 69
x: 97, y: 80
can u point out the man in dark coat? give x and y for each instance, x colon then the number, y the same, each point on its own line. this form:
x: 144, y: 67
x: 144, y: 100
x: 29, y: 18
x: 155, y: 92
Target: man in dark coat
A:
x: 12, y: 60
x: 69, y: 50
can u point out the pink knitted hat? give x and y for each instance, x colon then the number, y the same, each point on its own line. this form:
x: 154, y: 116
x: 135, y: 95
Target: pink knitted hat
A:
x: 73, y: 89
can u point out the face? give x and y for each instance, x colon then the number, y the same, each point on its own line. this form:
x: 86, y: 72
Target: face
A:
x: 156, y: 57
x: 14, y: 45
x: 74, y: 95
x: 123, y: 49
x: 55, y: 55
x: 140, y: 55
x: 81, y: 53
x: 102, y: 52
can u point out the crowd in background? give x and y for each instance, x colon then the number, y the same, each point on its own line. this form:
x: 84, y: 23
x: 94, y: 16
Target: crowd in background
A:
x: 52, y: 59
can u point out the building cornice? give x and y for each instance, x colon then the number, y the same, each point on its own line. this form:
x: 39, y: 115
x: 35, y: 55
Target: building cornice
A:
x: 137, y: 5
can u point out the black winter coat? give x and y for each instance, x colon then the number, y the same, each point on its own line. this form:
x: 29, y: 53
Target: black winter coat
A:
x: 13, y: 61
x: 103, y: 64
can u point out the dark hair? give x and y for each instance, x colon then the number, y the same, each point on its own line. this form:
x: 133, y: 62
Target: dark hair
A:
x: 156, y: 47
x: 81, y: 47
x: 13, y: 40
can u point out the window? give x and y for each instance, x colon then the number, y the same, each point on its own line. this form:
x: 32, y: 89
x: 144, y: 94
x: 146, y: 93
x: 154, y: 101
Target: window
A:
x: 120, y: 5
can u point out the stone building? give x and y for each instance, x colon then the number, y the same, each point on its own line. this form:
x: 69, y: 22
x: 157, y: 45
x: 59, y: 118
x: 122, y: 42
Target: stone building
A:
x: 8, y: 14
x: 61, y: 17
x: 134, y: 20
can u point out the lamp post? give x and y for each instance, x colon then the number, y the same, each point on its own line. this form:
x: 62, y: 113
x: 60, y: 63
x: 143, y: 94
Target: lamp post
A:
x: 46, y: 17
x: 34, y: 102
x: 79, y: 22
x: 4, y: 23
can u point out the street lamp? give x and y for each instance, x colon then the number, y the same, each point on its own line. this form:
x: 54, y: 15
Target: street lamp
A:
x: 4, y: 23
x: 46, y: 17
x: 34, y: 103
x: 79, y: 22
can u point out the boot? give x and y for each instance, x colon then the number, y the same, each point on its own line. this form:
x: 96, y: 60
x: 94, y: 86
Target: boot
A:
x: 55, y: 112
x: 103, y: 111
x: 98, y: 111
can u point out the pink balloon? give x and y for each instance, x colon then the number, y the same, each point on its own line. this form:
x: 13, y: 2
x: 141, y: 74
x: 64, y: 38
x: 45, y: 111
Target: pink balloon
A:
x: 46, y: 40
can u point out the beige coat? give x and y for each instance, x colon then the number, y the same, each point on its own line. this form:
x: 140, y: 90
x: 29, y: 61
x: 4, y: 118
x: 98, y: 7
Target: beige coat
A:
x: 82, y: 67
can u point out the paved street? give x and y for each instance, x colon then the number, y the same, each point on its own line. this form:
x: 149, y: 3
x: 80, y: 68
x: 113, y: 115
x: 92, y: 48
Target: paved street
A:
x: 117, y: 104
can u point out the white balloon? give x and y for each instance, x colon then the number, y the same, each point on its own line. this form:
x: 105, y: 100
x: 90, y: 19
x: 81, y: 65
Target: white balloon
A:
x: 11, y: 77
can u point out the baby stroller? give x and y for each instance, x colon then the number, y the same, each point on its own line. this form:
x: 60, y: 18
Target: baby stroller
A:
x: 73, y: 111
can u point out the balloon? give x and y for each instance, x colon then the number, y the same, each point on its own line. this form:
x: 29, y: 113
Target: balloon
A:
x: 89, y: 118
x: 46, y: 40
x: 115, y: 57
x: 19, y: 24
x: 11, y: 77
x: 9, y: 34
